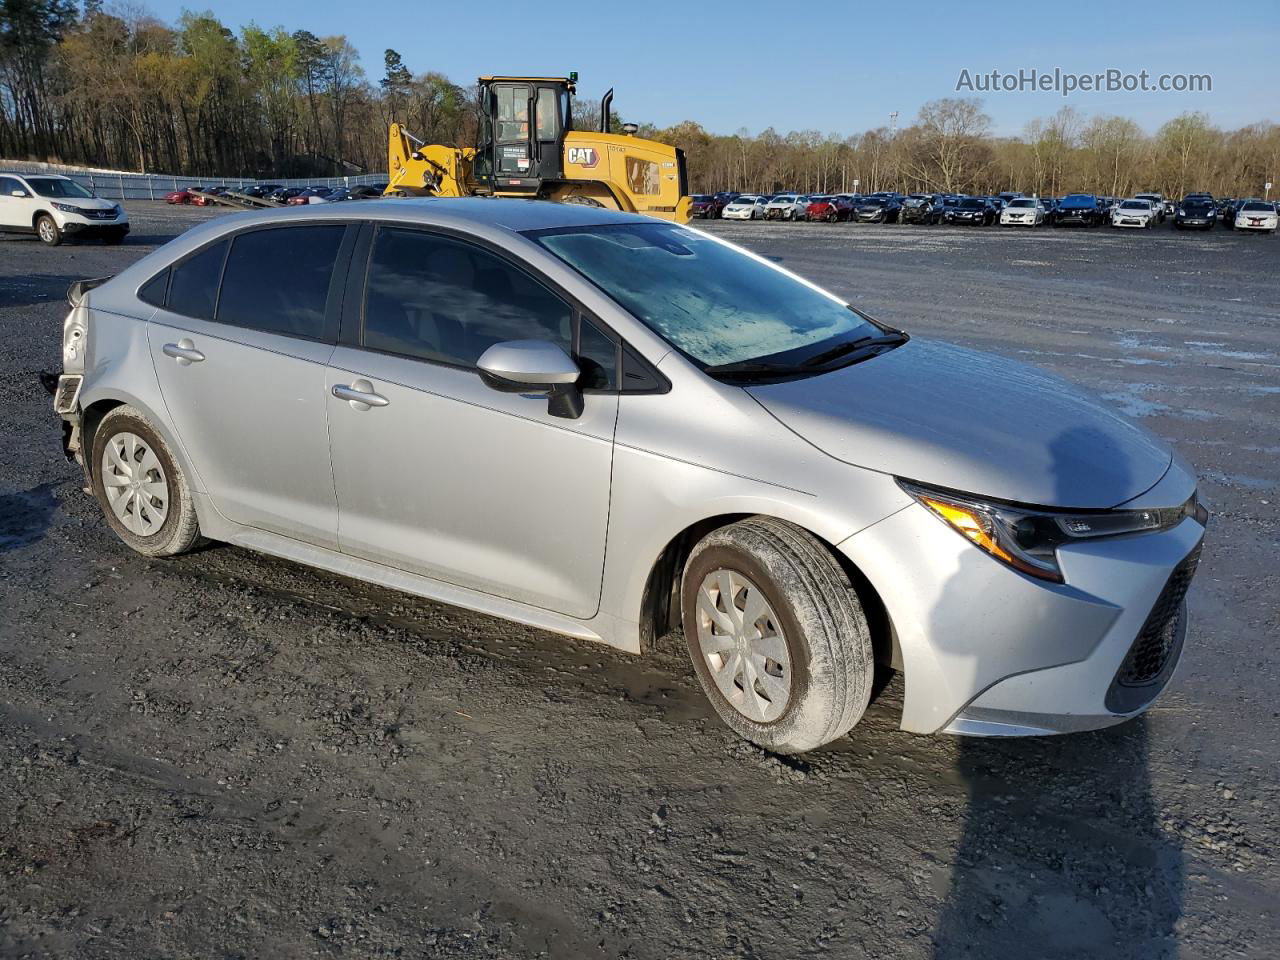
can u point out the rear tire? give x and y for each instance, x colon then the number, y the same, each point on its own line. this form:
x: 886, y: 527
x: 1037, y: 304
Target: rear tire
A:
x: 140, y: 486
x: 799, y: 674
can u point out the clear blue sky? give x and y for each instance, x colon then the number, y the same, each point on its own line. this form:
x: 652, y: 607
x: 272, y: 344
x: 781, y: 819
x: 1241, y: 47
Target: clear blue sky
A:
x: 826, y: 65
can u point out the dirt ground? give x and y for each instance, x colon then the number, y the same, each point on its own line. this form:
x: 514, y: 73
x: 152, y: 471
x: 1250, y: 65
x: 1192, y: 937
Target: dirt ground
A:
x: 228, y: 756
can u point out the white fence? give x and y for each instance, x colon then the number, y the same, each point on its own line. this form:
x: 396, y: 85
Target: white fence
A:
x: 115, y: 185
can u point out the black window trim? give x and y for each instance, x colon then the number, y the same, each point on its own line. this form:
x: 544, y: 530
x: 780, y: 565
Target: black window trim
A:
x: 337, y: 280
x: 357, y: 295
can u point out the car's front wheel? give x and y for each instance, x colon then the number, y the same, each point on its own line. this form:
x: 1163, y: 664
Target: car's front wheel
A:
x: 140, y: 486
x: 47, y: 230
x: 777, y: 635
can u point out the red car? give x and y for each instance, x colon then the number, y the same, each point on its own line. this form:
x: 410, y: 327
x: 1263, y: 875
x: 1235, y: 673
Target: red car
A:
x: 204, y: 201
x: 830, y: 209
x: 179, y: 196
x: 707, y: 206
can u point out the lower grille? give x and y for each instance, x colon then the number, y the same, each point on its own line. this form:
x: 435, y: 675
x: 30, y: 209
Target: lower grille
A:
x: 1149, y: 654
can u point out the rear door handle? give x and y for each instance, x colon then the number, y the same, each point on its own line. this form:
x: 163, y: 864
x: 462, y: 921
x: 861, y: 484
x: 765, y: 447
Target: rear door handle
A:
x: 360, y: 393
x: 184, y: 351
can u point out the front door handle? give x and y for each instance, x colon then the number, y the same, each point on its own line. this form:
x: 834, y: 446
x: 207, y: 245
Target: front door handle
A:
x: 184, y: 351
x: 360, y: 394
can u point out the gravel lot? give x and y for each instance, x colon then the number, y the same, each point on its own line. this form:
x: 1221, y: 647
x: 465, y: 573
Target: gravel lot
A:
x: 228, y: 756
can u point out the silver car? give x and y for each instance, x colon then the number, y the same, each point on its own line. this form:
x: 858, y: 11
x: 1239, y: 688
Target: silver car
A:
x: 610, y: 426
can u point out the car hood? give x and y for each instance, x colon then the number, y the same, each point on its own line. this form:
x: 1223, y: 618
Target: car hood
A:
x: 89, y: 203
x: 973, y: 422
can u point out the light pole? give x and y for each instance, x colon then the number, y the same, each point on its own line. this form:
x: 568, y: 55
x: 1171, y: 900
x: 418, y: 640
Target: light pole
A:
x: 1268, y: 188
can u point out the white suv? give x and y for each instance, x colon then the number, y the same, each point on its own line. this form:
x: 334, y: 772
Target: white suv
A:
x: 53, y: 207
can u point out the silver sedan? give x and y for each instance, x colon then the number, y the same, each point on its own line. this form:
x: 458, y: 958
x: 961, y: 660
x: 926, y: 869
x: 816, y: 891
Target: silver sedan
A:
x: 612, y: 427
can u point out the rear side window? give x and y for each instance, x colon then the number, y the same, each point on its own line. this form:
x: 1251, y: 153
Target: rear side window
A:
x: 277, y: 280
x: 193, y: 289
x: 153, y: 290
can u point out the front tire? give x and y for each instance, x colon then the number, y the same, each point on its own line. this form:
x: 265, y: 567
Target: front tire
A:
x: 48, y: 231
x: 777, y: 635
x: 140, y: 486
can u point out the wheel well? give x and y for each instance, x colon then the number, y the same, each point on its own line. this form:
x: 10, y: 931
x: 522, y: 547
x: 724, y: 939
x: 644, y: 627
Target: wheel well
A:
x: 660, y: 604
x: 35, y: 217
x: 89, y: 421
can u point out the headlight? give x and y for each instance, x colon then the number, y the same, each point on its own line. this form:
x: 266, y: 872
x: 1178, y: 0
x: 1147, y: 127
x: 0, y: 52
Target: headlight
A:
x: 67, y: 208
x: 1028, y: 539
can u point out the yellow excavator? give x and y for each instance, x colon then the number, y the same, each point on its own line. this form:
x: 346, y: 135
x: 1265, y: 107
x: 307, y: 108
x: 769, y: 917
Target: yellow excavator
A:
x: 529, y: 148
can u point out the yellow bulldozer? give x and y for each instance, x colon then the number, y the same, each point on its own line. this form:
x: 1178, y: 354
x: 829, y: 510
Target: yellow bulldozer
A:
x: 528, y: 147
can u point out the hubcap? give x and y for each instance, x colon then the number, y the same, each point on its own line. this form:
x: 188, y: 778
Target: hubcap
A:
x: 136, y: 487
x: 741, y: 641
x: 46, y: 230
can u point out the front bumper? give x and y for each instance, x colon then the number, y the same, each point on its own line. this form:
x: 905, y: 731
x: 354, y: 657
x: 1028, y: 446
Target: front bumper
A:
x: 77, y: 225
x: 1128, y: 222
x: 1259, y: 225
x: 987, y: 651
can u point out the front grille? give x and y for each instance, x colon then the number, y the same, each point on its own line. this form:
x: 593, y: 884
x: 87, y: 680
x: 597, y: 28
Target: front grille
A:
x: 100, y: 214
x: 1159, y: 635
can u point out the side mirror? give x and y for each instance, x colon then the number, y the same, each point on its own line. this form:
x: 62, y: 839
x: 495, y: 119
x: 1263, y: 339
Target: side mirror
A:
x: 535, y: 366
x: 18, y: 193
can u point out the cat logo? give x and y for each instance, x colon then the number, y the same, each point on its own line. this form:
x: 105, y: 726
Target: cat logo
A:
x: 584, y: 156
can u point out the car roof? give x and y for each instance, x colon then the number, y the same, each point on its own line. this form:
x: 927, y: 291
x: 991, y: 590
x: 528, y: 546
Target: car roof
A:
x: 511, y: 214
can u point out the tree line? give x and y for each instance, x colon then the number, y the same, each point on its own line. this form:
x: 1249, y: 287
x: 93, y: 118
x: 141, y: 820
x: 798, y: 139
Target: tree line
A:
x: 81, y: 85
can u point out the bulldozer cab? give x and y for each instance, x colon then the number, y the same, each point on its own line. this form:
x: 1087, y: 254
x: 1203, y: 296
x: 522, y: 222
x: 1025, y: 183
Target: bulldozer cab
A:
x: 523, y: 122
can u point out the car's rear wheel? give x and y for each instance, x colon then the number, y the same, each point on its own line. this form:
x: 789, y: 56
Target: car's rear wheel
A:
x: 47, y: 230
x: 777, y: 635
x: 140, y: 486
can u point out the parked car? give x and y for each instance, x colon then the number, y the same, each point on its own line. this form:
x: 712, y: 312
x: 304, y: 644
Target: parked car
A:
x: 706, y: 206
x: 786, y: 206
x: 183, y: 195
x: 260, y: 190
x: 829, y: 208
x: 745, y: 207
x: 54, y: 208
x: 1080, y: 208
x: 877, y: 208
x: 315, y: 195
x: 1134, y: 213
x: 1256, y: 215
x: 970, y: 210
x: 1157, y: 204
x: 1050, y: 205
x: 921, y: 208
x: 284, y: 194
x: 1196, y: 212
x: 1022, y: 212
x: 367, y: 191
x: 1019, y: 551
x: 205, y: 197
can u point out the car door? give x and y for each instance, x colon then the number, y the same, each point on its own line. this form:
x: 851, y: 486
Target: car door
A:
x: 240, y: 342
x: 15, y: 211
x: 445, y: 476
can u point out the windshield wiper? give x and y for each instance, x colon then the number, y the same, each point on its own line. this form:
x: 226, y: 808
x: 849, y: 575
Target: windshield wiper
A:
x: 862, y: 343
x: 747, y: 368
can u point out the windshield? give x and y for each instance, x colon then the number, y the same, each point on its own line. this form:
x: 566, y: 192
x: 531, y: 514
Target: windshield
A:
x: 820, y: 199
x: 784, y: 199
x: 57, y: 187
x: 713, y: 302
x: 1259, y: 206
x: 1198, y: 205
x: 1135, y: 205
x: 874, y: 202
x: 747, y: 200
x: 1022, y: 203
x: 972, y: 204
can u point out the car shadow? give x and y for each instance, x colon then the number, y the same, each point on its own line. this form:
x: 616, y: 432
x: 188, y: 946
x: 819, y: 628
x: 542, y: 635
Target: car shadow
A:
x: 1062, y: 854
x: 25, y: 516
x: 34, y: 288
